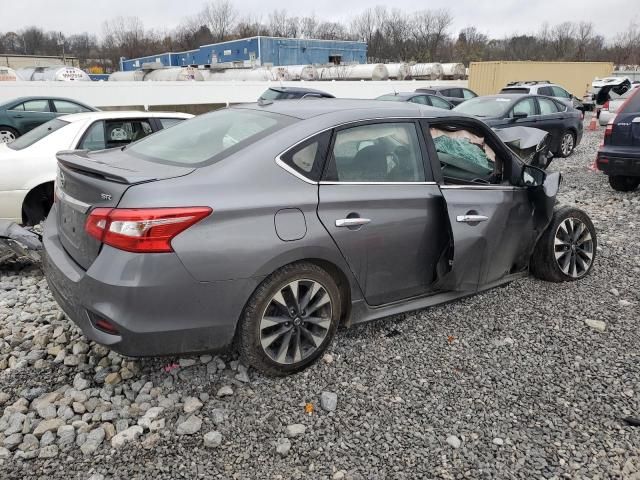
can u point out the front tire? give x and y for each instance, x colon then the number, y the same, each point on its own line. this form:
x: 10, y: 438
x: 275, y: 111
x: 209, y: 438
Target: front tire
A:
x: 623, y: 183
x: 8, y: 134
x: 567, y: 144
x: 566, y: 250
x: 290, y: 319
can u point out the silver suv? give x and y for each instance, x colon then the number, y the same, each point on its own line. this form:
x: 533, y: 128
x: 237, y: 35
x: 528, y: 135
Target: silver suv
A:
x: 543, y: 87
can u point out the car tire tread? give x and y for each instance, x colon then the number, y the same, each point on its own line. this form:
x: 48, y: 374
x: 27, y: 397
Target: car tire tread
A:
x: 623, y: 183
x: 248, y: 334
x: 543, y: 264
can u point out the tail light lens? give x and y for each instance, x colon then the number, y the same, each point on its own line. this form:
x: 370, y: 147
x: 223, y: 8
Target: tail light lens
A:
x: 606, y: 105
x: 142, y: 230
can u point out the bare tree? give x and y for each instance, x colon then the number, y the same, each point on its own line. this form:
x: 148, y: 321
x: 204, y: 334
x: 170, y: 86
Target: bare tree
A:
x: 220, y: 17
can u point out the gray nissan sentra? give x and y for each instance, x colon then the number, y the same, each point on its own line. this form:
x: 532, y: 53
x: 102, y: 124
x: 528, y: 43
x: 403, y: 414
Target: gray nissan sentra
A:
x: 269, y: 225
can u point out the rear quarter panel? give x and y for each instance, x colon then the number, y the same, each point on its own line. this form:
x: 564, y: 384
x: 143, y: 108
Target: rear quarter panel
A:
x: 246, y: 190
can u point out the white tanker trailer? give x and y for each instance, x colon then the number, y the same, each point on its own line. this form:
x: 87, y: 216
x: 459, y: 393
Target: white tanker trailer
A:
x: 453, y: 71
x: 176, y: 74
x: 248, y: 74
x: 302, y: 72
x: 8, y: 75
x: 426, y: 71
x: 364, y: 71
x: 61, y: 73
x: 398, y: 71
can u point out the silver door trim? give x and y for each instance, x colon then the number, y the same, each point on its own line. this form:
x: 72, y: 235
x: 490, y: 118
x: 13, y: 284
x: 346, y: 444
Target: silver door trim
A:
x: 352, y: 222
x: 471, y: 218
x: 73, y: 202
x: 377, y: 183
x: 481, y: 187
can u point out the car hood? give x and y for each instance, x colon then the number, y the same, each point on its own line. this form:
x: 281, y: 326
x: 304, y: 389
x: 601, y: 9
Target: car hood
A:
x: 521, y: 137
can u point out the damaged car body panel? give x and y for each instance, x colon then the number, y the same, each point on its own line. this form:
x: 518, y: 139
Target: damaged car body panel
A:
x: 363, y: 209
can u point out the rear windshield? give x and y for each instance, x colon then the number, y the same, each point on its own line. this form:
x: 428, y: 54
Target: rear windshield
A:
x: 209, y: 138
x: 514, y: 90
x: 632, y: 105
x: 485, y: 106
x: 37, y: 134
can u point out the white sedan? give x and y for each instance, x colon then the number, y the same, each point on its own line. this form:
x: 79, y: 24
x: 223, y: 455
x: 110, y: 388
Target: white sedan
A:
x: 28, y: 165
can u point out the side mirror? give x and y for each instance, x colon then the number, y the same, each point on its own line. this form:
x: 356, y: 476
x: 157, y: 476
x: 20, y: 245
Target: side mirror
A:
x: 519, y: 116
x: 532, y: 176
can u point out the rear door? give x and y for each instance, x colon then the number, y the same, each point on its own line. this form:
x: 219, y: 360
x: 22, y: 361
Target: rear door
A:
x: 552, y: 119
x: 383, y: 210
x: 492, y: 223
x: 30, y: 114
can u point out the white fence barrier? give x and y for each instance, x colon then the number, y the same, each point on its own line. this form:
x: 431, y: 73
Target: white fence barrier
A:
x: 119, y: 94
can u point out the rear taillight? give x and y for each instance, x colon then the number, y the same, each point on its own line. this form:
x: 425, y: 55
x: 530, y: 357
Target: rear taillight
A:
x: 609, y: 130
x: 142, y: 230
x: 606, y: 105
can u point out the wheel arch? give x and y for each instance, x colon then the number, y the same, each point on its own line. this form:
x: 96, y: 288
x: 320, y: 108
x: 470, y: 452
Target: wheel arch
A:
x: 40, y: 188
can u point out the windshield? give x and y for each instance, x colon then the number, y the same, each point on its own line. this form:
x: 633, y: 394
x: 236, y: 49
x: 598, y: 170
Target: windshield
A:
x: 37, y: 134
x: 392, y: 98
x: 485, y: 106
x: 209, y: 138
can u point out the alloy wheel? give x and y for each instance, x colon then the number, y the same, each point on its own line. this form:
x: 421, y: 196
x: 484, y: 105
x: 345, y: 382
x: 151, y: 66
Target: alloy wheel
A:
x: 567, y: 144
x: 6, y: 136
x: 296, y: 321
x: 573, y: 247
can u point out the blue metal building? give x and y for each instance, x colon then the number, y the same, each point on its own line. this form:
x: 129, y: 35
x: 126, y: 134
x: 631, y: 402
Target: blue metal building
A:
x: 261, y: 51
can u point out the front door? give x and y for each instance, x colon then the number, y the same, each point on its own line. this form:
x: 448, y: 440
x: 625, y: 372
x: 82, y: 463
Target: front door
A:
x: 492, y: 222
x: 384, y: 213
x: 30, y: 114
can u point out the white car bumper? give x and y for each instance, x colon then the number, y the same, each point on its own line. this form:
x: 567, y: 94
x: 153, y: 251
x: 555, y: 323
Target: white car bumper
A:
x: 11, y: 205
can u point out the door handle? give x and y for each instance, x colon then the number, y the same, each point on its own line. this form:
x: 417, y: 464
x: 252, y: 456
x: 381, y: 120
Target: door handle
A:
x: 471, y: 218
x: 352, y: 222
x: 18, y: 116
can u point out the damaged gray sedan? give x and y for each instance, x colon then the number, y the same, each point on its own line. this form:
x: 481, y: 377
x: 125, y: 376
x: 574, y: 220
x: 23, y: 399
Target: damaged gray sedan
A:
x: 267, y: 226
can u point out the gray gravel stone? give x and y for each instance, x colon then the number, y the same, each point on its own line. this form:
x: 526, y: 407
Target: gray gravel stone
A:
x: 454, y: 441
x: 212, y: 439
x: 295, y: 430
x: 283, y: 446
x: 329, y: 401
x: 189, y: 426
x: 93, y: 440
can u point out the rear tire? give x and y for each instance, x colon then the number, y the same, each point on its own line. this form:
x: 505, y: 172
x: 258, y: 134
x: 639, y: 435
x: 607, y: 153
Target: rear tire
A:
x: 623, y: 183
x: 8, y: 134
x: 566, y: 251
x: 567, y: 144
x: 290, y: 319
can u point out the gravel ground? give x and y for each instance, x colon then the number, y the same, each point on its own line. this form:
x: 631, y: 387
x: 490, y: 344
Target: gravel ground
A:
x: 508, y: 384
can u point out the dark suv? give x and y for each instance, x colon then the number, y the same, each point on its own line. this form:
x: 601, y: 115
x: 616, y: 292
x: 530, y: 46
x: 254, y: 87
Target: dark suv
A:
x: 619, y: 155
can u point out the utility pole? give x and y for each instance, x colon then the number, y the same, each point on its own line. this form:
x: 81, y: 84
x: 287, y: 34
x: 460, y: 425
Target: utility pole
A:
x: 61, y: 43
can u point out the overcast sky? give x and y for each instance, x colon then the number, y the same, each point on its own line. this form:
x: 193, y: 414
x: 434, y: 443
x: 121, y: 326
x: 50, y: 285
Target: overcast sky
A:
x: 494, y: 17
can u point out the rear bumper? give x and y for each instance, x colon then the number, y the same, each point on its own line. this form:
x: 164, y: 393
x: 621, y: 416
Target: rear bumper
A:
x: 157, y: 307
x: 613, y: 165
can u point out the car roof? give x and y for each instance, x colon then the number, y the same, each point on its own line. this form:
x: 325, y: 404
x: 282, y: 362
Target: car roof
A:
x: 297, y: 89
x: 117, y: 114
x: 441, y: 87
x: 348, y: 109
x: 40, y: 97
x: 510, y: 96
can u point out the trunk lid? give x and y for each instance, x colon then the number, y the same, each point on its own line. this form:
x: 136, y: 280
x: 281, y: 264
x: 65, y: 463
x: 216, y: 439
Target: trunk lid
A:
x: 93, y: 180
